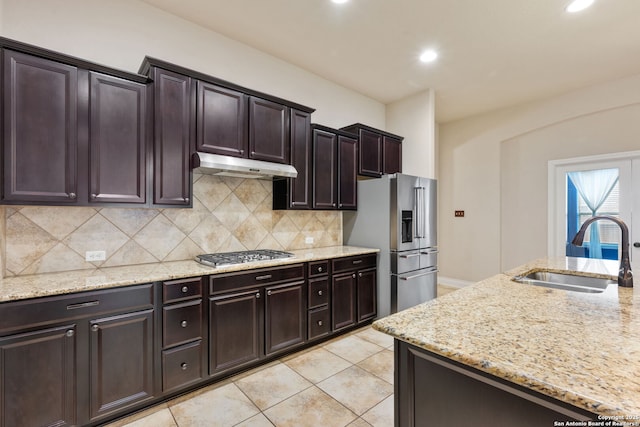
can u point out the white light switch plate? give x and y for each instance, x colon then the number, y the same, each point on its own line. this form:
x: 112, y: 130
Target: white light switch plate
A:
x: 95, y: 256
x: 308, y: 240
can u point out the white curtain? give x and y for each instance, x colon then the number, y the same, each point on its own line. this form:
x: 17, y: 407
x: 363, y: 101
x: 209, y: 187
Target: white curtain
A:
x: 594, y: 187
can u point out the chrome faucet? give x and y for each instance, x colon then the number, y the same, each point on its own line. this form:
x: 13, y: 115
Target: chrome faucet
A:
x: 625, y: 276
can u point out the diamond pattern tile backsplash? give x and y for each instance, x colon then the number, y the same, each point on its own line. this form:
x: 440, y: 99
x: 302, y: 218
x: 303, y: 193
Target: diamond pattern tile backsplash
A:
x: 228, y: 214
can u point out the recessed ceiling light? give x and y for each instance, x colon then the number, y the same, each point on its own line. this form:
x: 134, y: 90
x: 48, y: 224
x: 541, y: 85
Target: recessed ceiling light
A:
x: 339, y: 1
x: 429, y: 55
x: 578, y: 5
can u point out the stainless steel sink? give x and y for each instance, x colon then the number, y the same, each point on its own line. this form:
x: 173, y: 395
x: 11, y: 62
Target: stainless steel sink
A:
x: 565, y: 281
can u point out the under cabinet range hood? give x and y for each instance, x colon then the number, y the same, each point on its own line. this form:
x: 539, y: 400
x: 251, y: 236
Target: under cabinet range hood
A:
x: 215, y: 164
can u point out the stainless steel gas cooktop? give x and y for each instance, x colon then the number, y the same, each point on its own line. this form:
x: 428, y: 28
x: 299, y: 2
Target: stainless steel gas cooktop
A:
x: 230, y: 258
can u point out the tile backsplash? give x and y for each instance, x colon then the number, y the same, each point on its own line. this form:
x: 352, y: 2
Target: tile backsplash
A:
x: 228, y: 214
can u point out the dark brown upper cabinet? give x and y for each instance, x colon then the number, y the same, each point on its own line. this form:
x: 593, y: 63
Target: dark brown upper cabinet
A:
x: 380, y: 152
x: 40, y: 139
x: 117, y: 140
x: 268, y: 131
x: 334, y: 169
x: 173, y: 137
x: 221, y: 120
x: 295, y: 193
x: 74, y: 132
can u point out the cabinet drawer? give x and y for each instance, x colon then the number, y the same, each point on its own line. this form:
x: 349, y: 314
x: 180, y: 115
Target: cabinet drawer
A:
x: 319, y: 323
x: 318, y: 292
x: 253, y: 278
x: 180, y: 290
x: 181, y: 323
x: 39, y: 311
x: 318, y: 268
x: 181, y: 366
x: 353, y: 263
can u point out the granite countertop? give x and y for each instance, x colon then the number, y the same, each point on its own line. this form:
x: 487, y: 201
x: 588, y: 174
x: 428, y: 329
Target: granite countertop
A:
x: 23, y: 287
x: 583, y: 349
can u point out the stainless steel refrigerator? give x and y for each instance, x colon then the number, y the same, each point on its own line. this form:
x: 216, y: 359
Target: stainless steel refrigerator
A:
x: 397, y: 213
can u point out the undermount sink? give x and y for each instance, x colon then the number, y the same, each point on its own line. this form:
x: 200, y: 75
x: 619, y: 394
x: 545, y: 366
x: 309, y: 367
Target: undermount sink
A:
x: 565, y: 281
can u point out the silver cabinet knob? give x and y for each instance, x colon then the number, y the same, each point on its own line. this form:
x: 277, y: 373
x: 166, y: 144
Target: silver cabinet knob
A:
x: 359, y: 274
x: 258, y: 295
x: 94, y: 196
x: 185, y: 289
x: 320, y: 293
x: 319, y: 322
x: 184, y: 366
x: 95, y: 328
x: 72, y: 195
x: 70, y: 333
x: 183, y: 323
x: 269, y: 292
x: 353, y: 275
x: 319, y: 269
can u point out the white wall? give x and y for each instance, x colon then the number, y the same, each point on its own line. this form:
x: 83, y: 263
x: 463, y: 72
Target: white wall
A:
x: 413, y: 118
x: 119, y: 33
x: 490, y: 165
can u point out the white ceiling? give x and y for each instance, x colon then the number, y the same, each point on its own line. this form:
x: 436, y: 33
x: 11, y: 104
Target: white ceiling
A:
x: 493, y: 53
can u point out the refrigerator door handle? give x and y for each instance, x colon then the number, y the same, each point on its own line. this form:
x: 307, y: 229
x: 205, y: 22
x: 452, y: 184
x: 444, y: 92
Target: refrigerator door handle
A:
x: 420, y: 213
x: 410, y: 255
x: 429, y: 252
x: 418, y: 275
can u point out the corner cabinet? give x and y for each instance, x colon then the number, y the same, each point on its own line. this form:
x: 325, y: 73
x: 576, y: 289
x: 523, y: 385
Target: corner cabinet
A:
x: 380, y: 152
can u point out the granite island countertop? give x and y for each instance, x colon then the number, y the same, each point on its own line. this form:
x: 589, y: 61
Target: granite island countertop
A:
x: 580, y: 348
x: 39, y: 285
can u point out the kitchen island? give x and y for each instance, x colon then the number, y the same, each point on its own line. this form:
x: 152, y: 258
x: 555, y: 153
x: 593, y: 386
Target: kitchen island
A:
x: 505, y: 353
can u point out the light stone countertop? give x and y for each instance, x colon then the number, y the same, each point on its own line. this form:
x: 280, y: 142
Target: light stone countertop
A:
x: 39, y: 285
x: 580, y: 348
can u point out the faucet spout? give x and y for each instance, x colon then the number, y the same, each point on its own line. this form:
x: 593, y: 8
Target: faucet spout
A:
x: 625, y: 276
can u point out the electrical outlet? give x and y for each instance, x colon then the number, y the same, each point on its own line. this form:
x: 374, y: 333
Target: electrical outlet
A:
x: 308, y: 240
x: 458, y: 214
x: 95, y: 256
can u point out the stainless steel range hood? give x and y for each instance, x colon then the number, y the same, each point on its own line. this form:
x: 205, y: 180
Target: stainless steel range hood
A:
x: 215, y: 164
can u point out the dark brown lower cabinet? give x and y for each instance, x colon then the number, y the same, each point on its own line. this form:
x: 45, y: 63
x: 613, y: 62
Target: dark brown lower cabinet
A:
x: 366, y: 295
x: 353, y: 290
x: 121, y: 362
x: 235, y: 329
x: 343, y: 306
x: 37, y: 378
x: 285, y: 316
x: 430, y: 390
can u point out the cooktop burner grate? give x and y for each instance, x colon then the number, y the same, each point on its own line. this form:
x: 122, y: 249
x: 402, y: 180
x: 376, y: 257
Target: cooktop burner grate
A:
x: 230, y: 258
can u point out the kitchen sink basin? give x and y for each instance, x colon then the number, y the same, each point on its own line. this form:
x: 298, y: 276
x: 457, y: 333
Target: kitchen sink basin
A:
x: 565, y: 281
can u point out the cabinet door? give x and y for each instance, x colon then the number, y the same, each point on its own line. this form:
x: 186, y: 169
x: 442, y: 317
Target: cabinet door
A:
x: 38, y: 379
x: 221, y: 121
x: 325, y: 156
x: 121, y: 362
x: 40, y: 129
x: 366, y: 295
x: 236, y: 330
x: 268, y: 131
x: 347, y: 178
x: 285, y: 316
x: 300, y: 192
x: 343, y: 300
x: 370, y: 153
x: 392, y: 155
x: 117, y: 140
x: 172, y: 138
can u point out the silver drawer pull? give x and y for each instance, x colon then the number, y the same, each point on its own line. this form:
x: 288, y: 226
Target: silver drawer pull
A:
x: 82, y: 305
x: 409, y: 255
x: 184, y: 366
x: 265, y: 277
x: 429, y: 252
x: 418, y: 275
x: 185, y: 289
x: 357, y: 261
x: 183, y: 323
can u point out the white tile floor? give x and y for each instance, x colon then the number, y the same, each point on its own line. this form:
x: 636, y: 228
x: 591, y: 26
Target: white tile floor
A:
x: 347, y: 381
